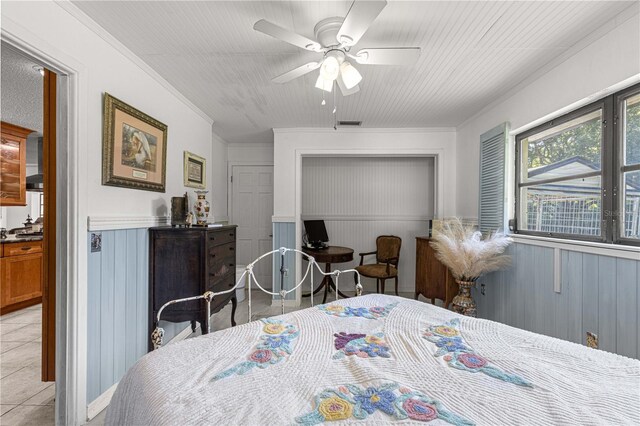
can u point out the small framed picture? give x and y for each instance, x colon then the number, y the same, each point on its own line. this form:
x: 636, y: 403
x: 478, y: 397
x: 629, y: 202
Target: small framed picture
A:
x: 195, y: 171
x: 134, y: 148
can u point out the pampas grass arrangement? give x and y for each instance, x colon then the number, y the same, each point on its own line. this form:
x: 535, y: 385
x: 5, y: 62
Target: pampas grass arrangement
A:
x: 463, y: 250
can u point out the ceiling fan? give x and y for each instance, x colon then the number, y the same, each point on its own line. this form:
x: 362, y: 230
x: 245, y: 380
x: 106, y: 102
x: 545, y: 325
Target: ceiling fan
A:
x: 336, y: 37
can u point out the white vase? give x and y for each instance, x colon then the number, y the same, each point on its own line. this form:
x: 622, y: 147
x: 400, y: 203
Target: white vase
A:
x: 202, y: 208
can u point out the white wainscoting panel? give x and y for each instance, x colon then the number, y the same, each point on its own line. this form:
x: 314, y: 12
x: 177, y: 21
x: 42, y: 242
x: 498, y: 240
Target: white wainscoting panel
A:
x: 360, y: 198
x: 357, y: 186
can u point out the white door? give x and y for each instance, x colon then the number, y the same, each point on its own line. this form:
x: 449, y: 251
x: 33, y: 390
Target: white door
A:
x: 252, y: 208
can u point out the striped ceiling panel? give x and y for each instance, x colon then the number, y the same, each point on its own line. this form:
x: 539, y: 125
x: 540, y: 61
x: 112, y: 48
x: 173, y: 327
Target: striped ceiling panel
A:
x: 472, y: 53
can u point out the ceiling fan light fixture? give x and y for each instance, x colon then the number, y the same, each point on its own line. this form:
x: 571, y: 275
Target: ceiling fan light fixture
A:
x: 330, y: 68
x: 350, y: 75
x: 323, y: 84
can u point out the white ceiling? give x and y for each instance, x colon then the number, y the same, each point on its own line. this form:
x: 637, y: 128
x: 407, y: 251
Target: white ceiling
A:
x: 21, y: 86
x: 472, y: 53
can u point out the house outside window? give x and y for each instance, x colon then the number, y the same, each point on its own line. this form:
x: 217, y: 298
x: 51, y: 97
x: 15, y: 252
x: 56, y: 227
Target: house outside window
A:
x: 578, y: 176
x: 630, y: 164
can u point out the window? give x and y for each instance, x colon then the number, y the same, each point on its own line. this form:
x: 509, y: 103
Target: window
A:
x: 628, y: 170
x: 578, y: 176
x: 41, y: 205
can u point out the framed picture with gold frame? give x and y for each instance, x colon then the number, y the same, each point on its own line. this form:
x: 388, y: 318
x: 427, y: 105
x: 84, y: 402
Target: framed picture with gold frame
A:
x: 195, y: 171
x: 134, y: 147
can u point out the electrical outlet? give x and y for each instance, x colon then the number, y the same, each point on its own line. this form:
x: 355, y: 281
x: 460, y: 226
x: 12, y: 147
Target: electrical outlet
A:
x: 592, y: 340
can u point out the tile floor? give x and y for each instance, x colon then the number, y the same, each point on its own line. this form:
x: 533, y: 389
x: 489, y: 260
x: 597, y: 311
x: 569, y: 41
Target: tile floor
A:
x: 24, y: 398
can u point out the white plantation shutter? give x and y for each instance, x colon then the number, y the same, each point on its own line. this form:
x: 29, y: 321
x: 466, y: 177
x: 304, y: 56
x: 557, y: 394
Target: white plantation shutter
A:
x: 492, y: 179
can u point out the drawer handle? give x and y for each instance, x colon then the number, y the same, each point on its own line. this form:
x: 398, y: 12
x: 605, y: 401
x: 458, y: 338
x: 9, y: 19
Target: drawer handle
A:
x: 231, y: 234
x: 232, y: 248
x: 232, y: 264
x: 213, y: 255
x: 25, y: 248
x: 212, y: 237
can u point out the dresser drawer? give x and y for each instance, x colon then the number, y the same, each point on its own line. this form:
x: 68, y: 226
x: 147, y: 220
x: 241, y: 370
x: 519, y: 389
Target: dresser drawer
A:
x: 221, y: 259
x: 216, y: 238
x: 221, y: 269
x: 19, y: 249
x: 221, y: 283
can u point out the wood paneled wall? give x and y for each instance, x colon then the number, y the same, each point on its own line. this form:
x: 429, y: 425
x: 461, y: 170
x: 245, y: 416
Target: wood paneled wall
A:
x: 360, y: 198
x: 284, y: 235
x: 118, y: 293
x: 598, y: 293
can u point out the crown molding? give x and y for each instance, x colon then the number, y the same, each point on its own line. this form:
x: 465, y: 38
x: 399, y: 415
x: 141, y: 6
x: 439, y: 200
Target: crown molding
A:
x: 250, y: 144
x: 365, y: 130
x: 92, y: 25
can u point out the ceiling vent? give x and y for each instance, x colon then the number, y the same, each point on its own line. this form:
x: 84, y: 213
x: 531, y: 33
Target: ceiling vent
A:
x: 350, y: 123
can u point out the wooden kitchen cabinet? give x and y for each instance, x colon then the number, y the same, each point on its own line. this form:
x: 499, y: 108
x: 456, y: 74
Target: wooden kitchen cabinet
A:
x: 13, y: 164
x: 21, y: 268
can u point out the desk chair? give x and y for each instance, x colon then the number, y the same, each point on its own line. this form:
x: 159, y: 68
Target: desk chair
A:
x: 387, y: 258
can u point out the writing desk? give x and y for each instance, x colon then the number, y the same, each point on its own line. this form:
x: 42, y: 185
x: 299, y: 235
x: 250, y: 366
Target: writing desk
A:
x: 328, y: 256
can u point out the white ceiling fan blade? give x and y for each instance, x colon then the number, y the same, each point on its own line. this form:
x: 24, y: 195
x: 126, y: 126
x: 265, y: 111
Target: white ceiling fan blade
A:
x: 297, y: 72
x: 343, y: 87
x: 287, y: 36
x: 388, y: 56
x: 358, y: 19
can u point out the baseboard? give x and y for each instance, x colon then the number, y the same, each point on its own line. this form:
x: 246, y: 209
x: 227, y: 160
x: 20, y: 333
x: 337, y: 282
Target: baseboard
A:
x: 20, y: 305
x: 102, y: 402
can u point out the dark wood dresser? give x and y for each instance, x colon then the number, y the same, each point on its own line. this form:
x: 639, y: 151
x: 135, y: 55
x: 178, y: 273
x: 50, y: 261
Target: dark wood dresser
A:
x: 433, y: 279
x: 186, y: 262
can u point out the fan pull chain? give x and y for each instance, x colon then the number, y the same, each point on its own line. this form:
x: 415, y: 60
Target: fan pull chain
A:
x: 335, y: 116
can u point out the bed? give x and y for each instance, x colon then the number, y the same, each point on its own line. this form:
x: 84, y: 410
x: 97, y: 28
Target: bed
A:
x: 377, y: 359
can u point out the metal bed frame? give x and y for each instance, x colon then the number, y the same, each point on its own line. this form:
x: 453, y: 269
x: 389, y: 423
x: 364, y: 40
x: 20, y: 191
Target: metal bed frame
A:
x: 158, y: 333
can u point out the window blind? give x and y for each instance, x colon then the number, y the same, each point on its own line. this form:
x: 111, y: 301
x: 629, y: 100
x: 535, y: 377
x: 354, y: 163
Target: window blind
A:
x: 492, y: 179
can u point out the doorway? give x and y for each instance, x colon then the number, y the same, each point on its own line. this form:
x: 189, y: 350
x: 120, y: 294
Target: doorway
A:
x: 29, y: 249
x: 251, y: 210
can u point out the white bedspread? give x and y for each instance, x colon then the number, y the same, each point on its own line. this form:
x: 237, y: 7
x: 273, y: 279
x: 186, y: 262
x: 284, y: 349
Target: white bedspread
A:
x: 397, y: 360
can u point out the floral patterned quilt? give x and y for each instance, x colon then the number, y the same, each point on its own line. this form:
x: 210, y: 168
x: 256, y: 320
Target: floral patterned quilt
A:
x: 377, y: 360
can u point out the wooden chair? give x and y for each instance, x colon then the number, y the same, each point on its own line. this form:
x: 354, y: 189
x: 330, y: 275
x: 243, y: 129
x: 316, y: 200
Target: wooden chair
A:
x: 387, y: 258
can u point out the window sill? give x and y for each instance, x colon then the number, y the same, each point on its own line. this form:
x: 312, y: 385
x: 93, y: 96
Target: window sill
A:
x: 603, y: 249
